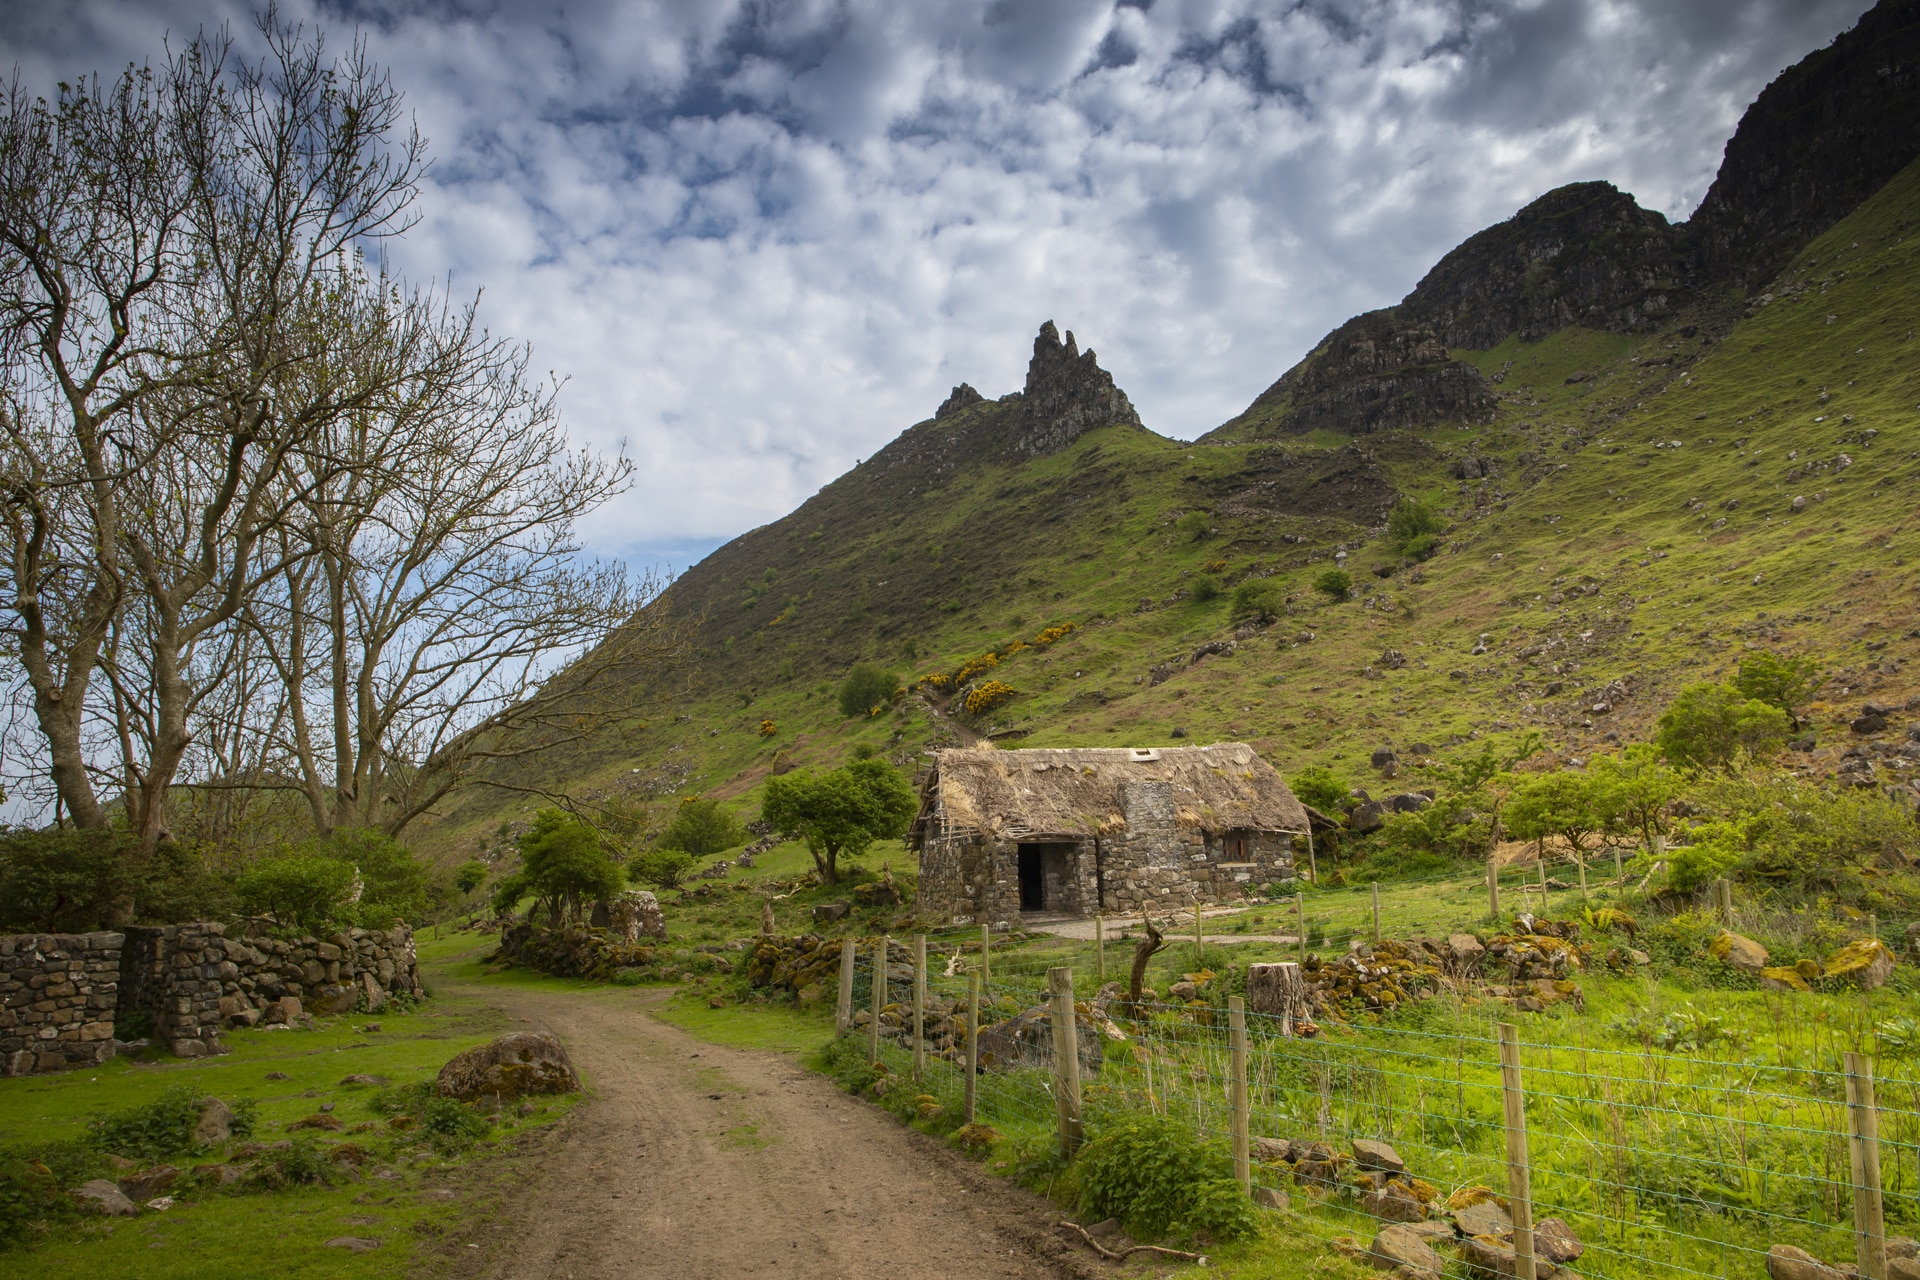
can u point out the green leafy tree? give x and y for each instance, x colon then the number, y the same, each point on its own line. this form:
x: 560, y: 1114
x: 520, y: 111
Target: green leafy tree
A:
x: 299, y: 890
x: 1783, y: 682
x: 1336, y: 584
x: 1470, y: 774
x: 1413, y: 527
x: 1256, y: 602
x: 469, y: 875
x: 866, y: 689
x: 1560, y: 803
x: 563, y: 863
x: 1633, y: 789
x: 394, y: 884
x: 841, y: 812
x: 1321, y: 787
x: 661, y: 867
x: 703, y: 827
x: 1709, y: 726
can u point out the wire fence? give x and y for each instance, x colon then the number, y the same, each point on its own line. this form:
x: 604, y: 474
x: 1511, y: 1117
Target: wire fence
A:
x: 1658, y: 1164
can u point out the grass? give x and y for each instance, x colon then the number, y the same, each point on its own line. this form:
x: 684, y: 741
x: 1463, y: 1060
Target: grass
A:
x: 210, y: 1234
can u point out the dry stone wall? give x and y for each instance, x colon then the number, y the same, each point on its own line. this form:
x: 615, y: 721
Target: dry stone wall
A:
x: 57, y: 997
x: 73, y: 1000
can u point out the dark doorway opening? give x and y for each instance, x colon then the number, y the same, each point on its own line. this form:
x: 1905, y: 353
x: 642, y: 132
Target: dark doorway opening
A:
x: 1033, y: 878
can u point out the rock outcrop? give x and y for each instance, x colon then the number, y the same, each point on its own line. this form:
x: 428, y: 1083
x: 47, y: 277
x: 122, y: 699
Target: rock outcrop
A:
x: 1067, y: 394
x: 1377, y: 372
x: 963, y: 395
x: 1584, y: 254
x: 1827, y: 133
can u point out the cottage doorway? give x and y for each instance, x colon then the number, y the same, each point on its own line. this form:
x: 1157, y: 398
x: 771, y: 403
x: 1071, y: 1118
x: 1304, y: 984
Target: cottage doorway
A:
x: 1033, y: 877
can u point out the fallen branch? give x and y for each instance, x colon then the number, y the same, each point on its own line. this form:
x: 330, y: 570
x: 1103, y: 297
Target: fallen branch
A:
x: 1105, y: 1252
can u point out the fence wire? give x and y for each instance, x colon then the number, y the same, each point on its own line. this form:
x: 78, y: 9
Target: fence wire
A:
x: 1660, y: 1164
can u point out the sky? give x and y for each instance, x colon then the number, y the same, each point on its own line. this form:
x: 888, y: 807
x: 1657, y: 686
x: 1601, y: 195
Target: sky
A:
x: 760, y: 239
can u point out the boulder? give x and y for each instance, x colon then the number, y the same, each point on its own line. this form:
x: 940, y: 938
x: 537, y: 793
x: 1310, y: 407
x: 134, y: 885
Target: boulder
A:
x: 1370, y: 816
x: 1903, y: 1268
x: 828, y: 912
x: 1483, y: 1218
x: 1401, y: 1246
x: 1742, y: 953
x: 1408, y: 801
x: 636, y: 913
x: 1369, y: 1154
x: 1866, y: 964
x: 1785, y: 1262
x: 1554, y: 1240
x: 108, y: 1198
x: 1464, y: 950
x: 1272, y: 1150
x: 335, y: 999
x: 215, y: 1125
x: 1782, y: 978
x: 148, y: 1183
x: 1393, y: 1203
x: 1271, y: 1198
x: 521, y: 1063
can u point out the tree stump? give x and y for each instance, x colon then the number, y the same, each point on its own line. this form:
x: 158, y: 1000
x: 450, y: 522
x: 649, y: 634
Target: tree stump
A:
x: 1278, y: 991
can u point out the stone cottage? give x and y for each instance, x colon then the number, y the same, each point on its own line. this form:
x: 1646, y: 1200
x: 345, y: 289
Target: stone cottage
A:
x: 1111, y: 829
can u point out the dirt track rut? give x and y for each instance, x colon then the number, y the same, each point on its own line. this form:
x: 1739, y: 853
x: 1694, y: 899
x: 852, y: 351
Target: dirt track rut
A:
x: 693, y: 1161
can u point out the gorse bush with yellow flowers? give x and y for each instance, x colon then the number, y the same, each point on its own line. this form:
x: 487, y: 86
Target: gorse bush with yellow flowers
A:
x: 985, y: 697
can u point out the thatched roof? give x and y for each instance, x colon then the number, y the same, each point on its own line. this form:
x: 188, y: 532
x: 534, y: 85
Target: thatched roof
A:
x: 1079, y: 792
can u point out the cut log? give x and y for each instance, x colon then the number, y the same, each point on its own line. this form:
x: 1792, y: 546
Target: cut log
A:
x: 1278, y: 991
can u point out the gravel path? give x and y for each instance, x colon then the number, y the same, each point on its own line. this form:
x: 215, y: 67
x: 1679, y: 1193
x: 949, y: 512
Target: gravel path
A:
x: 694, y: 1161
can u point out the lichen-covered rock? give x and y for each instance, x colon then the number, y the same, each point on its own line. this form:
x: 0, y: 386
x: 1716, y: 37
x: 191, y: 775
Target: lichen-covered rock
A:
x: 1554, y: 1240
x: 1787, y: 1262
x: 1369, y: 1154
x: 1865, y: 964
x: 513, y: 1066
x: 106, y: 1198
x: 1400, y: 1246
x: 1741, y: 952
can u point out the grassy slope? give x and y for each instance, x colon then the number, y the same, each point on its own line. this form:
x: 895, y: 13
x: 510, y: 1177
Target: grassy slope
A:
x: 1588, y: 492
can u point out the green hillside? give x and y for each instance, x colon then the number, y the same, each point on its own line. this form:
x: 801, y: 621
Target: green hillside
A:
x: 1637, y: 531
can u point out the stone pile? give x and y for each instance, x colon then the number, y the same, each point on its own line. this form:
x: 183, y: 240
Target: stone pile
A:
x: 57, y: 996
x: 1417, y: 1221
x: 211, y: 980
x: 574, y: 951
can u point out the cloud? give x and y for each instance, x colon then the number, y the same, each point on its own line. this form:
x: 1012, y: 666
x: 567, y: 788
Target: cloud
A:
x: 760, y: 239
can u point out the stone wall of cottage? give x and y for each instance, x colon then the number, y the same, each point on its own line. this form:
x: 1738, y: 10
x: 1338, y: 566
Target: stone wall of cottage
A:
x: 71, y: 1000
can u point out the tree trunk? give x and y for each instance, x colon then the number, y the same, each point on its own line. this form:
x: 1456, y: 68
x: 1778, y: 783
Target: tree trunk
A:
x: 1142, y: 952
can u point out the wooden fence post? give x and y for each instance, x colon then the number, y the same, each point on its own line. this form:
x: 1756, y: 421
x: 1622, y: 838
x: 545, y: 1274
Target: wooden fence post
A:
x: 1519, y: 1170
x: 1376, y: 911
x: 1099, y: 949
x: 1313, y: 865
x: 1863, y: 1146
x: 973, y: 1038
x: 1300, y: 910
x: 986, y: 954
x: 1619, y: 869
x: 1237, y: 1071
x: 1579, y: 856
x: 1493, y: 888
x: 1544, y: 911
x: 843, y: 1008
x: 1198, y: 941
x: 1066, y: 1060
x: 919, y: 1004
x: 879, y: 997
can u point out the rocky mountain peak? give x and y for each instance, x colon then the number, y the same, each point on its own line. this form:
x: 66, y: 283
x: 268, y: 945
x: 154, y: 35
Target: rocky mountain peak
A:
x: 1067, y: 395
x: 963, y: 395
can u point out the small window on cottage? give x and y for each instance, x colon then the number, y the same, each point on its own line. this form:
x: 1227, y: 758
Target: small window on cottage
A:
x: 1233, y: 846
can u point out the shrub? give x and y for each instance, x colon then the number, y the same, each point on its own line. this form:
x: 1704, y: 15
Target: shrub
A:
x: 1786, y: 683
x: 1256, y: 602
x: 157, y: 1130
x: 299, y: 890
x: 1052, y: 634
x: 451, y: 1127
x: 1322, y: 788
x: 1158, y: 1177
x: 703, y: 827
x: 1709, y: 726
x: 68, y: 881
x: 469, y: 875
x: 1334, y: 584
x: 1206, y: 589
x: 1193, y: 526
x: 394, y: 885
x: 1413, y: 527
x: 985, y: 697
x: 563, y: 863
x: 663, y: 868
x: 866, y: 690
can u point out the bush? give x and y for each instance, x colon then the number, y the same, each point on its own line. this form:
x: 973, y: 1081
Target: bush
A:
x: 866, y: 690
x: 1786, y: 683
x: 394, y: 885
x: 451, y: 1127
x: 1256, y: 602
x: 301, y: 891
x: 67, y: 881
x: 1157, y: 1176
x: 1322, y: 788
x: 703, y: 827
x: 469, y: 875
x: 1709, y: 726
x: 1334, y: 583
x: 1193, y: 526
x: 1205, y: 589
x: 1413, y: 527
x: 661, y: 868
x: 987, y: 695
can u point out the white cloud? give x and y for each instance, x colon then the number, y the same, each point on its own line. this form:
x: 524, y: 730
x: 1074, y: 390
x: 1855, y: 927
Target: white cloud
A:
x: 763, y: 239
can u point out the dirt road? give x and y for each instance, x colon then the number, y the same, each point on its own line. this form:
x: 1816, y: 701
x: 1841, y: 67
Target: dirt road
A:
x: 695, y: 1161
